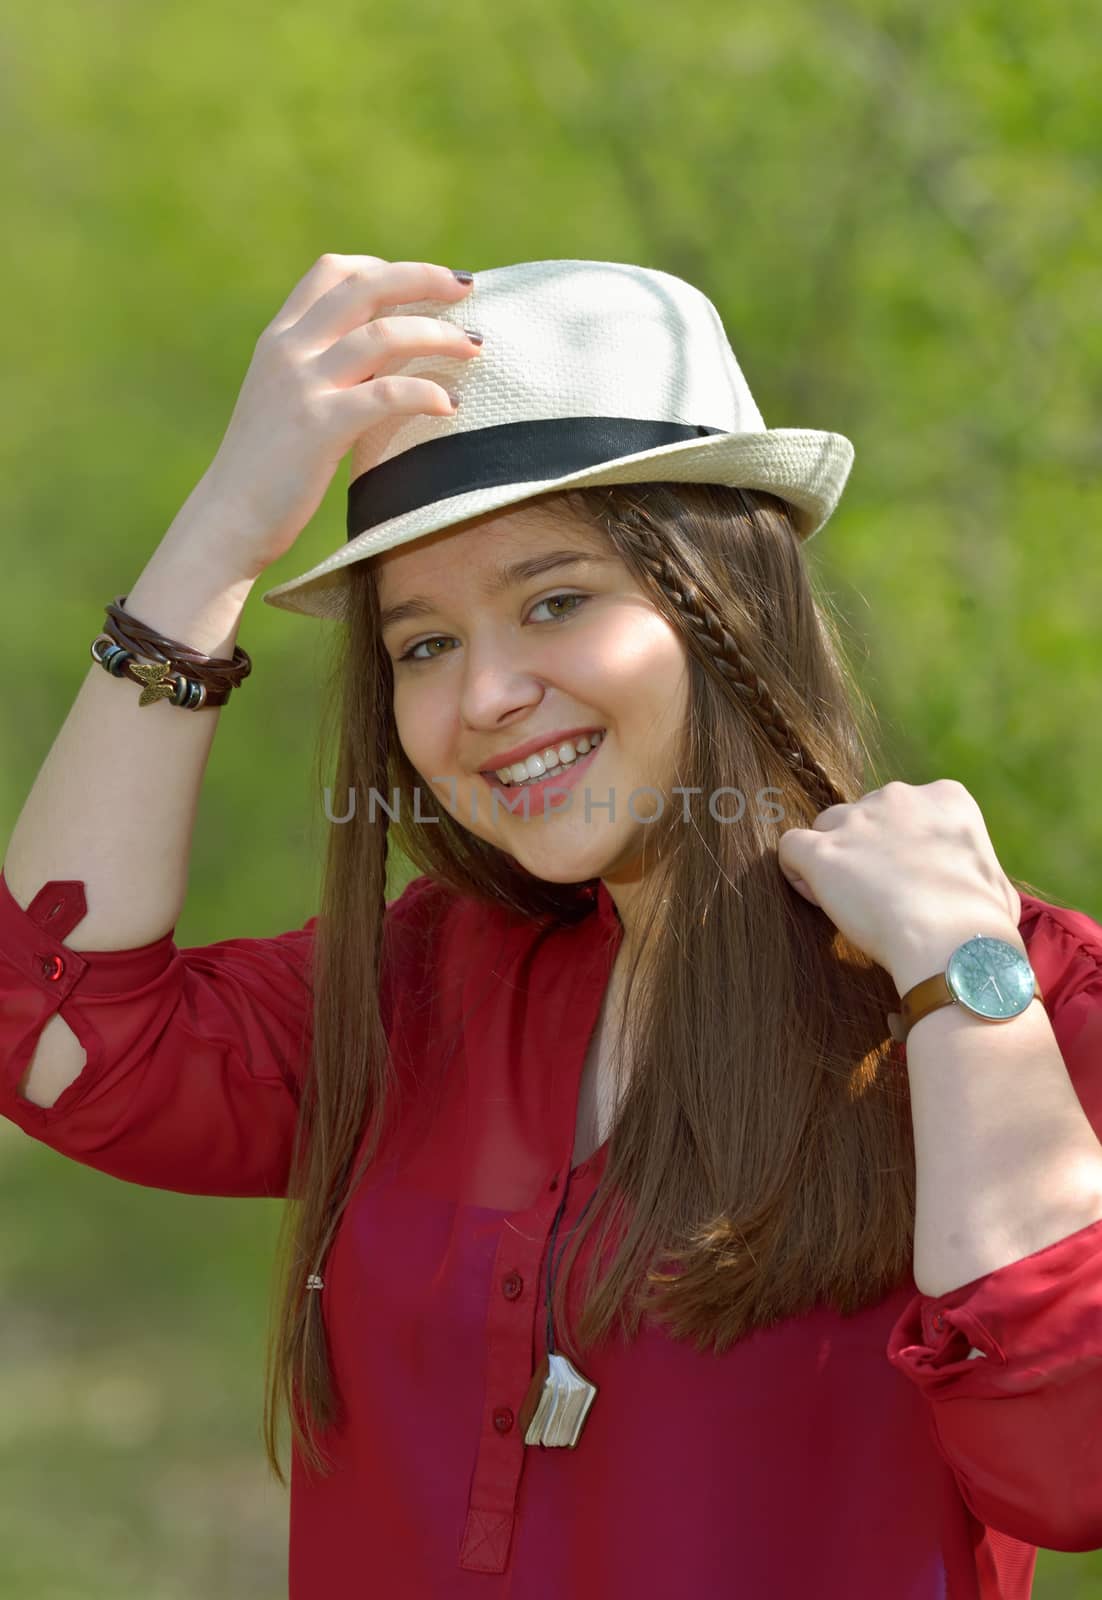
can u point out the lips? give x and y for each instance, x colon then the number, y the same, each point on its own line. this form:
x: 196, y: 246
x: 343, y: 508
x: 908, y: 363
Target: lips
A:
x: 557, y: 778
x: 535, y: 747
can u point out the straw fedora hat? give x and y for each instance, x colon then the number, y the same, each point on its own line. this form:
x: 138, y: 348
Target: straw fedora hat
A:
x: 591, y: 372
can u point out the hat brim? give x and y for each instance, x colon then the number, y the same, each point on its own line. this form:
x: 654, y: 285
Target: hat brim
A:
x: 804, y: 467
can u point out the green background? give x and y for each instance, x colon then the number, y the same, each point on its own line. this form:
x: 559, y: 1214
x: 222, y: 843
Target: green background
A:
x: 895, y: 208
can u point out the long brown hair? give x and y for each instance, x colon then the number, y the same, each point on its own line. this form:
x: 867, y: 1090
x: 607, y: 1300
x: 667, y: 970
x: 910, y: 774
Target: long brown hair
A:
x: 769, y: 1165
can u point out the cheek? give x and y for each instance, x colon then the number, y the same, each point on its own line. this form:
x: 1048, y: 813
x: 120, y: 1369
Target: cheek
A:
x: 645, y: 663
x: 422, y: 724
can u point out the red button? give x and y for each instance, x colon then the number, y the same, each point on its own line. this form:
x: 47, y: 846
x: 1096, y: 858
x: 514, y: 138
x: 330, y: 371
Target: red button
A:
x: 939, y: 1321
x: 503, y: 1419
x: 512, y: 1286
x: 52, y: 967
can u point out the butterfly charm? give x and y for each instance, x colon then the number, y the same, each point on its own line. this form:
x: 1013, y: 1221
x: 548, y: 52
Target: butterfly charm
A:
x: 153, y: 676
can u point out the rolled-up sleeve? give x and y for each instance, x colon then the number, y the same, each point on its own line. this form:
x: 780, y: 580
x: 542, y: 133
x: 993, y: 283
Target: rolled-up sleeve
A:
x: 1011, y: 1364
x: 195, y: 1056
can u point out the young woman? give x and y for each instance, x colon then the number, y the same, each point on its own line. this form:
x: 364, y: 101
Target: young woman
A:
x: 633, y: 1246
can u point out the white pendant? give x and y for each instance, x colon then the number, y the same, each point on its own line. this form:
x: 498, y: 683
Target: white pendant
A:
x: 564, y: 1404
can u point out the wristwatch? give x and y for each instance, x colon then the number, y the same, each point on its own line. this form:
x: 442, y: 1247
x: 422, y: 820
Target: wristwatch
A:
x: 989, y: 977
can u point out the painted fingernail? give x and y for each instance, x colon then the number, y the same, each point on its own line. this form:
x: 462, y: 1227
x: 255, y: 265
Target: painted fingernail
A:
x: 464, y: 277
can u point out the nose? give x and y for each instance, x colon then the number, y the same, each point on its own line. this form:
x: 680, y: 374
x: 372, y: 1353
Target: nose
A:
x: 499, y: 685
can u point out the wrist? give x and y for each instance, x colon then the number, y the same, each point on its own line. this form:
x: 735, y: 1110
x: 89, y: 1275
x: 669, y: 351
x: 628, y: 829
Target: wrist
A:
x: 187, y: 591
x: 924, y: 951
x: 211, y: 534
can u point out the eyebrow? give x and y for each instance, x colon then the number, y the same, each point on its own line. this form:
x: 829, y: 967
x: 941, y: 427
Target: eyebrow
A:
x: 500, y: 579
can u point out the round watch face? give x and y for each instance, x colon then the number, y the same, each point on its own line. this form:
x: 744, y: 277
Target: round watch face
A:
x: 991, y: 977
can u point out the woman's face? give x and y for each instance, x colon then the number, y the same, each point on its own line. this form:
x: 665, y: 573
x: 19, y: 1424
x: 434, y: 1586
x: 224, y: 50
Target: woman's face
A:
x: 483, y: 666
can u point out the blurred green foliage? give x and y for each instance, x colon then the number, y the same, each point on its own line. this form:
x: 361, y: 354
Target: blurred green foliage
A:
x: 895, y: 209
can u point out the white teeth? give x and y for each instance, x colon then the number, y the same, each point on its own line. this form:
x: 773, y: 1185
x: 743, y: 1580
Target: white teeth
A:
x: 536, y: 765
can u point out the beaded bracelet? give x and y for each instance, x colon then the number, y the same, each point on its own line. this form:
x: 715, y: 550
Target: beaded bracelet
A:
x: 128, y: 648
x: 157, y: 680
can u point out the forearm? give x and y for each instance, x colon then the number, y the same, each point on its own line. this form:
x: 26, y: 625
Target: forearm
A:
x: 1007, y: 1160
x: 114, y: 802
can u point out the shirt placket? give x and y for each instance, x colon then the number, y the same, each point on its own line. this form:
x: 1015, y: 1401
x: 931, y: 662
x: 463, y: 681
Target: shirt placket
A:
x: 515, y: 1301
x: 517, y: 1294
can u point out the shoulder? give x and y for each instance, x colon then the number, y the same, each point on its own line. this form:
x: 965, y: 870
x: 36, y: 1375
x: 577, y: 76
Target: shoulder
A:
x: 438, y: 938
x: 430, y: 911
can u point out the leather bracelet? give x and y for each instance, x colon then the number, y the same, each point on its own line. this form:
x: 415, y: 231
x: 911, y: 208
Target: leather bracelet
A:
x: 128, y: 648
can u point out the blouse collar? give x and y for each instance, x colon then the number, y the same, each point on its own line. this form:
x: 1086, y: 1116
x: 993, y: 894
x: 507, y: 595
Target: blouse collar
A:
x: 607, y: 914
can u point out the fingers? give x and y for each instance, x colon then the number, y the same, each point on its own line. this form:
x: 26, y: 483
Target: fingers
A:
x: 388, y: 342
x: 330, y: 334
x: 327, y: 271
x: 349, y: 411
x: 362, y: 292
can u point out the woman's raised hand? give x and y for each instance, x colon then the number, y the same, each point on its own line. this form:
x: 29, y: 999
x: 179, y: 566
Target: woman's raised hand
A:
x: 321, y: 374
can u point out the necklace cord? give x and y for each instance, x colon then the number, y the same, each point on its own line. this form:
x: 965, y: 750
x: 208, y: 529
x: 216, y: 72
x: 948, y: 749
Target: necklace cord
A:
x: 552, y: 1265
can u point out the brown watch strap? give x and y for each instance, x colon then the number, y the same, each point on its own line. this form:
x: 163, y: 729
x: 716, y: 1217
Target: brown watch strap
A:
x: 929, y: 995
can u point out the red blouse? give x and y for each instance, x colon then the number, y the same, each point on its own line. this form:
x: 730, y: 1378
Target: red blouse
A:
x: 921, y: 1448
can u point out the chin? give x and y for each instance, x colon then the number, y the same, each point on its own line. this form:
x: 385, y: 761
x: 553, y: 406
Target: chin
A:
x: 564, y: 865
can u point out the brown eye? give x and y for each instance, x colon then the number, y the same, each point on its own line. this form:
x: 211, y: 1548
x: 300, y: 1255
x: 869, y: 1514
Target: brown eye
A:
x: 551, y: 600
x: 562, y: 615
x: 408, y: 655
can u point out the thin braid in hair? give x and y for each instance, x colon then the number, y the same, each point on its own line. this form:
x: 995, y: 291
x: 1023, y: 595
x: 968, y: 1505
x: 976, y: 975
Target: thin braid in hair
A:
x: 721, y: 651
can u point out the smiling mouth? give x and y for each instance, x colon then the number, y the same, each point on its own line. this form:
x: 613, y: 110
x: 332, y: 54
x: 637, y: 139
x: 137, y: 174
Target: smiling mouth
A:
x: 568, y: 757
